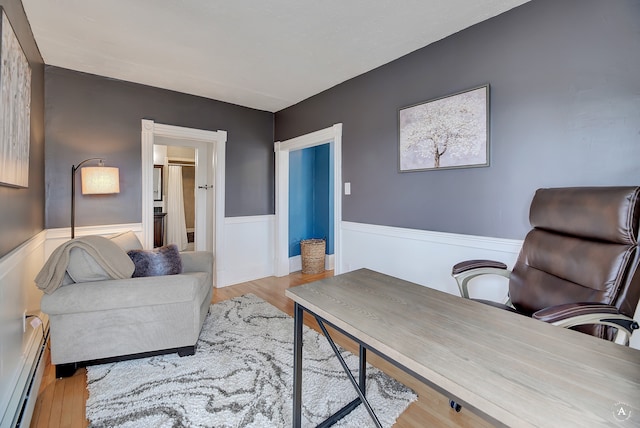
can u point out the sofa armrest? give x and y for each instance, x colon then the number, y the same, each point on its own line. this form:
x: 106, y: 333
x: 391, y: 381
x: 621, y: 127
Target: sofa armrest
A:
x: 465, y: 271
x: 197, y: 261
x: 574, y: 314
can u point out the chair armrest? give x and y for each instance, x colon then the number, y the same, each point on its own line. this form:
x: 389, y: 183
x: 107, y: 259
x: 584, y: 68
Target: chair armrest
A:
x: 465, y: 271
x: 466, y: 265
x: 574, y: 314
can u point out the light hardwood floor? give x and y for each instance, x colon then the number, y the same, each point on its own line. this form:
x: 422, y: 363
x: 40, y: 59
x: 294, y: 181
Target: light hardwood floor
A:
x: 61, y: 402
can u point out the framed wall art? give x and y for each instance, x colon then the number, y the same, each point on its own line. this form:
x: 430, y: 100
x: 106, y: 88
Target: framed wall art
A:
x: 15, y: 108
x: 447, y: 132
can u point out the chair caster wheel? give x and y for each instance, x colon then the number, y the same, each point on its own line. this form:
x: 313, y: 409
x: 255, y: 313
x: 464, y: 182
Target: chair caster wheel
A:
x: 455, y: 406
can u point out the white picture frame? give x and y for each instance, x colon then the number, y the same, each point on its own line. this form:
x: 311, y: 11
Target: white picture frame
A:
x: 15, y: 108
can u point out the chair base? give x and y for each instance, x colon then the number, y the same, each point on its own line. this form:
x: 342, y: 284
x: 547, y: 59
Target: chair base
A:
x: 68, y: 369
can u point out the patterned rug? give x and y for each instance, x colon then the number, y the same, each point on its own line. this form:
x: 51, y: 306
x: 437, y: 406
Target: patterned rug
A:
x: 240, y: 376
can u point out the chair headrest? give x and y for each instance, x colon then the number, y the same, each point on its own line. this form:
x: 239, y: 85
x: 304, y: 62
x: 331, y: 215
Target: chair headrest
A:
x: 603, y: 213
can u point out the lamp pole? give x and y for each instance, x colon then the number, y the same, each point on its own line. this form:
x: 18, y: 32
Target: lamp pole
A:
x: 73, y: 192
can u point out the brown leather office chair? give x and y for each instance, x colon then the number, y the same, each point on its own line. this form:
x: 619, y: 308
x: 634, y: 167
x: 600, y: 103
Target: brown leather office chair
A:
x: 578, y: 266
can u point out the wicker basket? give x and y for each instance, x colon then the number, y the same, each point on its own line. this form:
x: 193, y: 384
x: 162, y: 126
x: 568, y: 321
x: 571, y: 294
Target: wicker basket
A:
x: 312, y: 254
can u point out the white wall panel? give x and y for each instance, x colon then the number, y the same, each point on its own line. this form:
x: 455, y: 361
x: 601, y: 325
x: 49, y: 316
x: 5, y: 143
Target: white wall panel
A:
x: 249, y: 249
x: 425, y: 257
x: 18, y: 349
x: 57, y: 237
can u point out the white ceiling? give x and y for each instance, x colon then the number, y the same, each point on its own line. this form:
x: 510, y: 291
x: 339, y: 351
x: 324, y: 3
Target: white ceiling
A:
x: 264, y: 54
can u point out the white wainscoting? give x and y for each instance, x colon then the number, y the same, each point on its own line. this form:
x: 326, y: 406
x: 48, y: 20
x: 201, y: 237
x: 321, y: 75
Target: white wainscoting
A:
x: 56, y: 237
x: 249, y: 249
x: 248, y: 245
x: 20, y: 351
x: 425, y: 257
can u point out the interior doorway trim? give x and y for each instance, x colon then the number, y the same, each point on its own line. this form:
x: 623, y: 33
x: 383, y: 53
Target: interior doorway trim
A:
x: 332, y: 135
x: 218, y: 139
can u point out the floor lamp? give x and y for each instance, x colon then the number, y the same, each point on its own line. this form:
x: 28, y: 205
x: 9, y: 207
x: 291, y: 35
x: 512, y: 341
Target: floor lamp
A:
x: 96, y: 180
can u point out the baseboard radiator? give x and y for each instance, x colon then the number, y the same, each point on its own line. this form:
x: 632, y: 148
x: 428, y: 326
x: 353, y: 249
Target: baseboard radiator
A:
x: 23, y: 400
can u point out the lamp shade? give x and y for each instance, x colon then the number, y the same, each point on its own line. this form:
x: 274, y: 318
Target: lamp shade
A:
x: 100, y: 180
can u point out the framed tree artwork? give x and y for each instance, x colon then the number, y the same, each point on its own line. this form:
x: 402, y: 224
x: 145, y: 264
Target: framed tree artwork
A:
x: 15, y: 108
x: 447, y: 132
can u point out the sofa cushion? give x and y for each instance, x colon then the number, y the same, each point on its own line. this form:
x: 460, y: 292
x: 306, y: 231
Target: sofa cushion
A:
x: 84, y: 268
x: 127, y: 241
x: 157, y: 262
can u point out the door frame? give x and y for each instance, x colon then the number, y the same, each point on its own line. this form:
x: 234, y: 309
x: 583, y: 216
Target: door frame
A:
x: 218, y: 140
x: 332, y: 135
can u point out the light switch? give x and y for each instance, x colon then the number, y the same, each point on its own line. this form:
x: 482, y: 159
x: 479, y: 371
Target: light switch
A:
x: 347, y: 188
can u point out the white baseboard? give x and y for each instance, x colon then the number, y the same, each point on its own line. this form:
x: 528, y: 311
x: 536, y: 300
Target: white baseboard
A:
x: 295, y: 264
x: 31, y: 378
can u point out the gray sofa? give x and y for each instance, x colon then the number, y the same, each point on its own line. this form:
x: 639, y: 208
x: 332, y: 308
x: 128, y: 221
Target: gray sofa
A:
x: 111, y: 320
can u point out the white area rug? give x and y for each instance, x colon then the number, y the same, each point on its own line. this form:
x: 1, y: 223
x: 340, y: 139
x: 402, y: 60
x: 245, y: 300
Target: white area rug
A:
x: 240, y: 376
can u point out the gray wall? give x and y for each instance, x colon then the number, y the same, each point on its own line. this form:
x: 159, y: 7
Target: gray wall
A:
x: 91, y: 116
x: 22, y: 210
x: 565, y: 111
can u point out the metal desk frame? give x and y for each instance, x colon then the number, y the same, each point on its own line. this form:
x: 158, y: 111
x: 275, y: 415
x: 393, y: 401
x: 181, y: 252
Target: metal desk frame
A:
x: 360, y: 385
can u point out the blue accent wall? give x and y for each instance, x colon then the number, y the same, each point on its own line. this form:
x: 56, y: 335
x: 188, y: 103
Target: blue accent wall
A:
x: 311, y: 196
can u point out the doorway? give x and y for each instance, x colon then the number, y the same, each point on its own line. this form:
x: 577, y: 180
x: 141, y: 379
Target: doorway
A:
x: 333, y: 137
x: 208, y: 152
x: 178, y: 208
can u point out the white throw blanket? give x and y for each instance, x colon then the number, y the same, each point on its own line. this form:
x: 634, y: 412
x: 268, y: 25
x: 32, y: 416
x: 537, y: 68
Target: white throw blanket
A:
x: 113, y: 259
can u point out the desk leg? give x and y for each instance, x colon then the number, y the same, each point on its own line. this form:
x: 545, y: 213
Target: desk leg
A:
x: 362, y: 369
x: 297, y: 365
x: 359, y: 387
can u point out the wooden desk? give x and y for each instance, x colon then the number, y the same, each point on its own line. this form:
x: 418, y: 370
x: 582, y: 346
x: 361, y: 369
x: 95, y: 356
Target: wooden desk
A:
x: 513, y: 370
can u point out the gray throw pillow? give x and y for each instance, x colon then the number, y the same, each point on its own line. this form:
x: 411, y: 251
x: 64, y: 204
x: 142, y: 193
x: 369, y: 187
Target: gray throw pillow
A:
x: 159, y: 261
x: 83, y: 268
